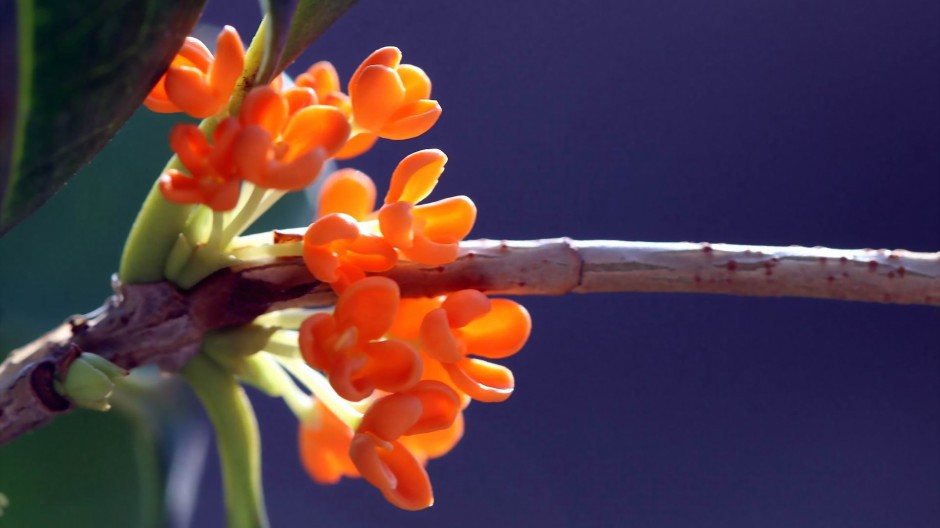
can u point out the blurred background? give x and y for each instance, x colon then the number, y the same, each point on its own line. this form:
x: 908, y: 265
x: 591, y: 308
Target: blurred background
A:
x: 776, y: 122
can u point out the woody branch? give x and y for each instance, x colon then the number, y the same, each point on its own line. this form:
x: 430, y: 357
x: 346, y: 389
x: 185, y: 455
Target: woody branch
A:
x: 159, y: 324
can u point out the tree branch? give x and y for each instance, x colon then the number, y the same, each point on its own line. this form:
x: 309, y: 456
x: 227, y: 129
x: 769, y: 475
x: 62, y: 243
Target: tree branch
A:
x: 158, y: 324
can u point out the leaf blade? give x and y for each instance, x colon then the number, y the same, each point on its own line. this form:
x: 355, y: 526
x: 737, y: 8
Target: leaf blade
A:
x: 83, y: 70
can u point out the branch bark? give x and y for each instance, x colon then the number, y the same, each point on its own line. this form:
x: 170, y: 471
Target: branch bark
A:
x: 159, y: 324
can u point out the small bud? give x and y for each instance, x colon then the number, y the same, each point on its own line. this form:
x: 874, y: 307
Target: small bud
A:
x: 90, y: 381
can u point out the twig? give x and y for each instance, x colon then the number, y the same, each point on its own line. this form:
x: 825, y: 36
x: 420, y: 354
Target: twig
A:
x: 157, y: 323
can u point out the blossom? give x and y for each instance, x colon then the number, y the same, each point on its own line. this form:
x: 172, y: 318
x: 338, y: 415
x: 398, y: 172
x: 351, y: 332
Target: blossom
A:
x: 348, y: 344
x: 324, y: 442
x: 196, y: 82
x: 430, y: 233
x: 467, y: 323
x: 278, y: 149
x: 391, y: 100
x: 211, y: 179
x: 387, y: 463
x: 337, y: 252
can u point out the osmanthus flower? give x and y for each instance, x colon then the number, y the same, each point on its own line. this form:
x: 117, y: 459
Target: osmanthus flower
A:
x: 466, y: 323
x: 429, y: 233
x: 348, y: 346
x: 324, y: 446
x: 388, y: 100
x: 384, y: 460
x: 337, y: 252
x: 280, y: 149
x: 196, y: 82
x: 211, y: 180
x: 324, y: 81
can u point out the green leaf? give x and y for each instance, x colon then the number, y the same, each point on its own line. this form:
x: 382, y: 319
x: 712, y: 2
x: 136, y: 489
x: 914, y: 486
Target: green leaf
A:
x: 294, y: 24
x: 79, y: 72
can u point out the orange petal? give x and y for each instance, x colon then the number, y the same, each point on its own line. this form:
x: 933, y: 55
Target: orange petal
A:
x: 411, y: 313
x: 436, y: 443
x: 434, y: 370
x: 439, y: 406
x: 431, y: 253
x: 447, y: 220
x: 266, y: 108
x: 481, y: 380
x: 339, y: 100
x: 224, y: 197
x: 464, y: 306
x: 344, y: 379
x: 322, y: 263
x: 390, y: 416
x: 189, y: 143
x: 393, y: 365
x: 347, y: 191
x: 437, y: 339
x: 250, y: 154
x: 369, y: 305
x: 416, y: 176
x: 392, y: 469
x: 188, y: 89
x: 395, y: 223
x: 223, y: 138
x: 378, y: 95
x: 195, y: 53
x: 322, y: 77
x: 298, y: 97
x: 297, y: 174
x: 357, y: 145
x: 371, y: 253
x: 417, y: 84
x: 227, y: 67
x: 389, y: 56
x: 315, y: 126
x: 500, y: 333
x: 180, y: 188
x: 324, y: 447
x: 411, y: 120
x: 332, y: 227
x: 313, y: 337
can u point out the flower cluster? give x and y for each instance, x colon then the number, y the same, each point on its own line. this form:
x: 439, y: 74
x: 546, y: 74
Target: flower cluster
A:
x: 408, y: 360
x: 397, y: 372
x: 282, y: 134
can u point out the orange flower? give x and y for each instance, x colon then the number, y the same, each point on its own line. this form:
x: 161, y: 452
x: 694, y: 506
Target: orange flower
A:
x: 387, y: 99
x: 279, y: 150
x: 467, y: 323
x: 429, y: 233
x: 336, y: 252
x: 387, y: 463
x: 196, y: 83
x: 347, y: 191
x: 324, y: 442
x: 211, y: 180
x: 390, y: 99
x: 322, y: 78
x: 348, y: 345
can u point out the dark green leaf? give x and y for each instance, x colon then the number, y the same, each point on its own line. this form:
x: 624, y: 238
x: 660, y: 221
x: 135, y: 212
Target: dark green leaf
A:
x: 80, y: 70
x: 309, y: 20
x: 279, y: 13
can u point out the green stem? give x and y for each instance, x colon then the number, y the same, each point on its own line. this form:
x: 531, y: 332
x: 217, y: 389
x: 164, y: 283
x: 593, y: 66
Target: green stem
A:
x: 244, y: 216
x: 237, y: 439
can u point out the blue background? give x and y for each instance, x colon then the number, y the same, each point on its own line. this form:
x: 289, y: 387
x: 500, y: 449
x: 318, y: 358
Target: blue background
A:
x: 774, y: 122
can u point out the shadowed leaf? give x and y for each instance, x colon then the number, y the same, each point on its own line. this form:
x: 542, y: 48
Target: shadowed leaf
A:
x: 294, y: 25
x: 79, y: 71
